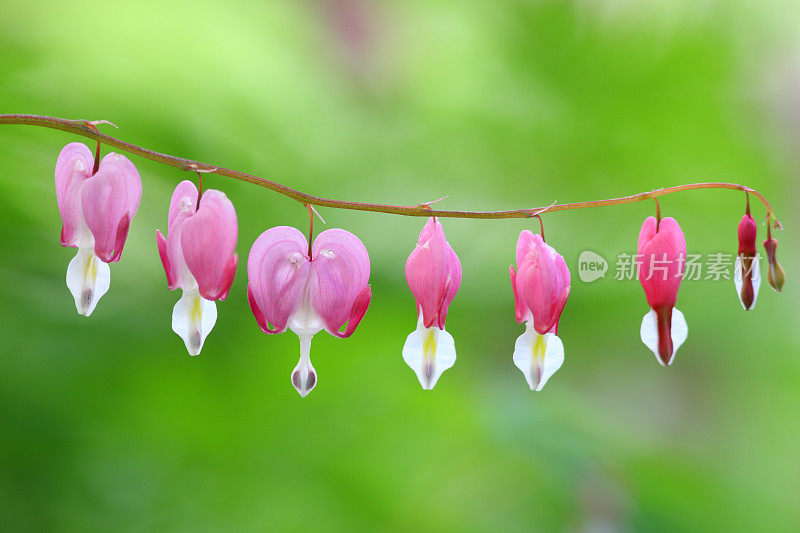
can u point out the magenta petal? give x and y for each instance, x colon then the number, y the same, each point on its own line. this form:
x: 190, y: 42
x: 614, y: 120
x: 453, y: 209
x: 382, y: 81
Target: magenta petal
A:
x: 542, y: 282
x: 748, y: 231
x: 646, y: 232
x: 104, y: 203
x: 182, y: 205
x: 133, y: 184
x: 520, y: 310
x: 208, y: 241
x: 122, y: 234
x: 357, y: 312
x: 451, y: 286
x: 347, y: 248
x: 340, y: 272
x: 524, y: 245
x: 429, y: 229
x: 73, y: 167
x: 559, y: 308
x: 175, y: 253
x: 162, y: 253
x: 433, y: 273
x: 183, y: 202
x: 426, y: 271
x: 67, y: 236
x: 661, y: 259
x: 260, y: 318
x: 227, y: 278
x: 277, y: 272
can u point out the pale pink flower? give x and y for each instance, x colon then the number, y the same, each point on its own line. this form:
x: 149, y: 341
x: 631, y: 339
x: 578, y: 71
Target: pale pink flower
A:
x: 199, y: 257
x: 661, y: 262
x: 287, y: 288
x: 541, y: 287
x: 96, y: 211
x: 433, y: 273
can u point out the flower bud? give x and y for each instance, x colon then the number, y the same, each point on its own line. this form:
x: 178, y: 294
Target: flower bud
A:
x: 746, y: 273
x: 775, y: 274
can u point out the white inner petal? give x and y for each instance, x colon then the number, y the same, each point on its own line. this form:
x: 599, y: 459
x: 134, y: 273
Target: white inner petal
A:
x: 193, y: 317
x: 88, y: 279
x: 538, y: 356
x: 305, y: 323
x: 429, y: 352
x: 304, y: 377
x: 649, y: 332
x: 738, y: 279
x: 680, y: 330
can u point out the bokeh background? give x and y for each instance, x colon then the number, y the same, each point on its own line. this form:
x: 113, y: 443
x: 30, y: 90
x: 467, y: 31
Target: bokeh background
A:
x: 107, y: 423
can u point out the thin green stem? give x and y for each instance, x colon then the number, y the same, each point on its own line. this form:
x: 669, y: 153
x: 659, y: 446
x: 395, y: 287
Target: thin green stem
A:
x: 86, y: 129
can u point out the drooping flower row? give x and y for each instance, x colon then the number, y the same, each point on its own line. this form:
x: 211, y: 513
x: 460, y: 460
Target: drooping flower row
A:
x: 307, y: 287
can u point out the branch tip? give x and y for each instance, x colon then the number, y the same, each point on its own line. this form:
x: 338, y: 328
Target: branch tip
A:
x: 428, y: 204
x: 314, y: 209
x: 98, y: 122
x: 536, y: 212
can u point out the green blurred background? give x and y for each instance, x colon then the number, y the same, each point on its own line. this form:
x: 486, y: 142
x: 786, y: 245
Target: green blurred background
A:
x: 107, y: 423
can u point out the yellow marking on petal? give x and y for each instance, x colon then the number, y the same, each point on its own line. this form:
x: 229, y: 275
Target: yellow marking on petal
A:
x: 538, y: 349
x: 429, y: 344
x: 197, y: 311
x: 90, y: 269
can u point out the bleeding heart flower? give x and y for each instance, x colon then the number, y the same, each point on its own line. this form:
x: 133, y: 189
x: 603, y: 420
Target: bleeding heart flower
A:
x: 541, y: 287
x: 198, y: 257
x: 96, y: 210
x: 746, y: 271
x: 661, y: 262
x: 433, y: 273
x: 307, y: 290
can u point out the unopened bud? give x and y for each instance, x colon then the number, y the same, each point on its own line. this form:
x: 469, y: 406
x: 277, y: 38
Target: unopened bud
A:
x: 747, y: 277
x: 775, y: 274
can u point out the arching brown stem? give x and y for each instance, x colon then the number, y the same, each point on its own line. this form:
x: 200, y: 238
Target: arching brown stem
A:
x: 87, y: 129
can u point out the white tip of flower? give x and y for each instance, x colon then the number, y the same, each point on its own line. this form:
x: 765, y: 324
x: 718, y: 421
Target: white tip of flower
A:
x: 304, y: 377
x: 88, y: 279
x: 538, y: 356
x: 649, y: 333
x: 429, y: 352
x: 193, y: 317
x: 755, y: 279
